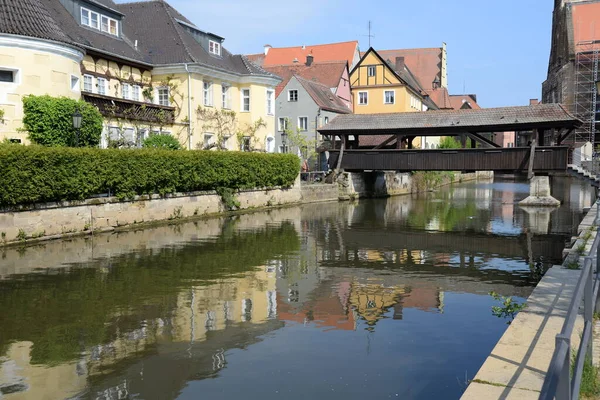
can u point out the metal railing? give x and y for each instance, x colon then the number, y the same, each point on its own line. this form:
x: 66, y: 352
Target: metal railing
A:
x: 560, y: 384
x: 313, y: 177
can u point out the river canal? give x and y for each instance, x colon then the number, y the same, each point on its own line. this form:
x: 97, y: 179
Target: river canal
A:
x: 384, y: 298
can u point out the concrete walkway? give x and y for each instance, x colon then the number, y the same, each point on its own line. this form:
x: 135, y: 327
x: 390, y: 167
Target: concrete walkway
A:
x: 517, y: 366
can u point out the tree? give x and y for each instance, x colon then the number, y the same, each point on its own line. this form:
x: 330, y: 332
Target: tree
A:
x: 297, y: 140
x: 448, y: 142
x: 160, y: 141
x: 49, y: 121
x: 224, y: 124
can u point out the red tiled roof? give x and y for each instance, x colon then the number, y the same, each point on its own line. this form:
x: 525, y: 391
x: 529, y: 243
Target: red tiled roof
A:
x: 326, y: 73
x: 424, y: 63
x: 459, y: 100
x: 585, y: 24
x: 258, y: 59
x: 344, y: 51
x: 440, y: 97
x: 323, y: 96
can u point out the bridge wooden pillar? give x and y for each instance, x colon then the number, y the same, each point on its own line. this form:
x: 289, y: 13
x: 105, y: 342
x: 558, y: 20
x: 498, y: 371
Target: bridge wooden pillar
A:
x: 463, y: 141
x: 410, y: 141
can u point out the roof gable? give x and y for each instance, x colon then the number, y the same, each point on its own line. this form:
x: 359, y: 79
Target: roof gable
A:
x: 462, y: 101
x: 322, y: 96
x: 326, y: 73
x: 425, y: 63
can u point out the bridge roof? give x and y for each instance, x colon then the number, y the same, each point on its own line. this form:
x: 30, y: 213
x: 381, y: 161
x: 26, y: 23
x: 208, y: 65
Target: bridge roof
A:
x: 522, y: 118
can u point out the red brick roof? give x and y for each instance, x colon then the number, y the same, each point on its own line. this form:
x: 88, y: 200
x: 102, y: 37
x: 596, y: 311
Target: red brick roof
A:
x: 326, y: 73
x: 440, y: 97
x: 424, y: 63
x: 258, y: 59
x: 585, y: 24
x: 458, y: 101
x: 344, y: 51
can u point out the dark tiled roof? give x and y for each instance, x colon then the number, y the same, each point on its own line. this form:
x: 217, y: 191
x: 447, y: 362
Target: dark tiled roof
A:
x: 323, y: 96
x: 30, y: 18
x: 172, y: 43
x: 445, y: 121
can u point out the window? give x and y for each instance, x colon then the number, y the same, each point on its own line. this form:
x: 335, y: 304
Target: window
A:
x: 245, y: 100
x: 226, y: 98
x: 270, y: 103
x: 326, y: 120
x: 245, y: 145
x: 7, y: 76
x: 125, y: 92
x: 208, y: 96
x: 88, y: 83
x: 214, y: 47
x: 74, y: 83
x: 101, y: 84
x: 109, y: 25
x: 371, y: 70
x: 303, y: 123
x: 163, y: 96
x: 415, y: 103
x: 208, y: 140
x: 389, y: 97
x: 135, y: 93
x: 363, y: 98
x: 283, y: 124
x: 292, y: 95
x: 89, y: 18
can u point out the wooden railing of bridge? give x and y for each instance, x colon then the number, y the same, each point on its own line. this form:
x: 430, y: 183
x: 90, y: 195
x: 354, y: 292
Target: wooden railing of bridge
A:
x: 514, y: 159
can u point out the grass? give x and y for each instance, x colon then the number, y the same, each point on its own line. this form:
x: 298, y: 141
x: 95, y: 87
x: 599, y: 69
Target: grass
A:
x: 590, y: 379
x: 573, y: 265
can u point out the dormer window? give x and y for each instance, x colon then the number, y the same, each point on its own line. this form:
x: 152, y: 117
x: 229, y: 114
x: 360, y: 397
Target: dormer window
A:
x: 109, y: 25
x: 100, y: 22
x: 90, y: 18
x: 214, y: 47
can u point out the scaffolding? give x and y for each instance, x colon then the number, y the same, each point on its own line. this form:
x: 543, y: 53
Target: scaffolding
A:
x: 585, y: 96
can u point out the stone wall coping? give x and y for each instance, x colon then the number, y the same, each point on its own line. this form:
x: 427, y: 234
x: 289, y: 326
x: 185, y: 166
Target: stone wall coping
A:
x: 113, y: 199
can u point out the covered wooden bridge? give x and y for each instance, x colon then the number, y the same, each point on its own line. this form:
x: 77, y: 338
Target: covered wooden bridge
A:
x: 550, y: 126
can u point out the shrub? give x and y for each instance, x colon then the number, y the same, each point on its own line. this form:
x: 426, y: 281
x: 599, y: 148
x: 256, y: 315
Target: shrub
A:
x: 448, y: 142
x: 162, y: 142
x: 49, y: 121
x: 32, y: 174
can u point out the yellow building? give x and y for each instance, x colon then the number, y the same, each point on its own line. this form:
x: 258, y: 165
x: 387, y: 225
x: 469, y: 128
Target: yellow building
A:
x: 143, y: 79
x: 385, y: 86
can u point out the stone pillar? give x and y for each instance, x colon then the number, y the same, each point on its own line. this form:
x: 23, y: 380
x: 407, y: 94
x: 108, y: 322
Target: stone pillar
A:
x: 539, y: 193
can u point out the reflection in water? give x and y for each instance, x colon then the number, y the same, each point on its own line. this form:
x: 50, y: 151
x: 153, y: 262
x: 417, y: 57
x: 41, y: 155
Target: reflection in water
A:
x: 378, y: 298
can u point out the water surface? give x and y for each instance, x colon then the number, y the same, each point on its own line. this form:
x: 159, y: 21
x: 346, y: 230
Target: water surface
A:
x: 383, y: 298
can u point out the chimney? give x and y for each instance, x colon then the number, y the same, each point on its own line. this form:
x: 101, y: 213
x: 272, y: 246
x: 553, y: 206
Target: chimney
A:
x: 399, y: 64
x: 267, y: 48
x: 295, y: 61
x: 533, y: 102
x: 303, y: 47
x: 309, y: 60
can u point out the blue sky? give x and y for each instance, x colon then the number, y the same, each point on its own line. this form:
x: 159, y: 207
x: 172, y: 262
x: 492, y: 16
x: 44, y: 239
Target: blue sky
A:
x: 496, y: 49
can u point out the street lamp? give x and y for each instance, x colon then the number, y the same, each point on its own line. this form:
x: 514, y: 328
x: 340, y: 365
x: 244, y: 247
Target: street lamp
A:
x: 283, y: 141
x: 77, y: 118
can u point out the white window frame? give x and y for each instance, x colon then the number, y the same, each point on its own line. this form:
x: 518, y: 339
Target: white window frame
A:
x: 282, y: 124
x: 371, y: 68
x: 243, y: 97
x: 300, y: 124
x: 75, y: 83
x: 207, y: 93
x: 326, y: 120
x: 214, y: 47
x: 366, y: 103
x: 158, y: 96
x: 108, y: 23
x: 136, y: 91
x: 385, y: 92
x: 225, y: 96
x: 91, y: 78
x: 89, y: 18
x: 270, y: 102
x: 290, y: 95
x: 207, y: 139
x: 101, y: 83
x: 126, y: 91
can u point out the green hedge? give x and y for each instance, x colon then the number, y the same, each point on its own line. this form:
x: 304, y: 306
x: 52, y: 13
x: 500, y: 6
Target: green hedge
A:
x: 32, y: 174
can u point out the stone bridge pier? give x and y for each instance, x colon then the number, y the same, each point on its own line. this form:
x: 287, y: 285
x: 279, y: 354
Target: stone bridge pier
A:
x: 540, y: 193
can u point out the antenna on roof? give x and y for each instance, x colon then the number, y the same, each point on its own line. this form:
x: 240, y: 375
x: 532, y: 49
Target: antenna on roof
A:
x: 369, y: 35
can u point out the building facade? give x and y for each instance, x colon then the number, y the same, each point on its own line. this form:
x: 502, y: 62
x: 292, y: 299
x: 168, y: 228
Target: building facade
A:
x: 142, y: 79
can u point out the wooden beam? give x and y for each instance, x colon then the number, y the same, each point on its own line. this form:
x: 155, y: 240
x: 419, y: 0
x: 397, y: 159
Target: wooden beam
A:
x: 385, y: 143
x: 531, y: 157
x: 482, y: 139
x: 562, y: 138
x: 339, y: 161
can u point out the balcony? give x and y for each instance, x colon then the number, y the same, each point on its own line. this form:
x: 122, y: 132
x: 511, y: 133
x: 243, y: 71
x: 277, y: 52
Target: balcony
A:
x: 113, y: 107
